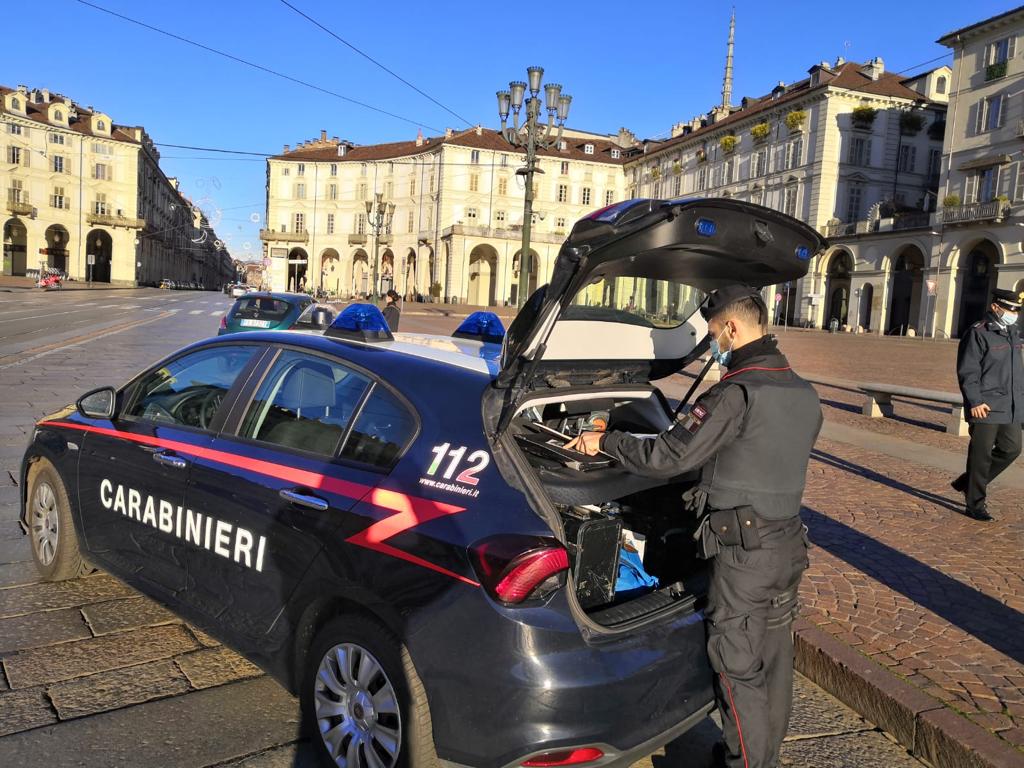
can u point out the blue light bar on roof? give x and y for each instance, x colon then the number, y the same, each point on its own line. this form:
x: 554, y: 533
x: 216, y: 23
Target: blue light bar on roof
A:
x: 482, y: 326
x: 360, y: 322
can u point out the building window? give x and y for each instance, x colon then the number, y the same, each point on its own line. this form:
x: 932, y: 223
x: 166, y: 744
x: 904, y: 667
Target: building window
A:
x: 990, y: 114
x: 474, y: 157
x: 474, y: 182
x: 794, y: 153
x: 588, y: 149
x: 101, y: 171
x: 330, y: 223
x: 298, y: 223
x: 982, y: 186
x: 563, y: 193
x: 102, y: 149
x: 997, y: 55
x: 940, y: 85
x: 412, y: 187
x: 361, y: 224
x: 15, y: 155
x: 14, y: 129
x: 860, y: 151
x: 15, y: 104
x: 100, y: 125
x: 585, y: 196
x: 57, y: 138
x: 560, y: 224
x: 58, y: 116
x: 609, y: 197
x: 656, y: 190
x: 727, y: 172
x: 362, y: 169
x: 702, y: 178
x: 934, y: 163
x: 757, y: 196
x: 677, y: 186
x: 411, y: 222
x: 57, y: 199
x: 759, y: 163
x: 363, y: 192
x: 332, y: 191
x: 286, y: 171
x: 300, y: 169
x: 58, y: 164
x: 16, y: 192
x: 854, y: 202
x: 907, y: 159
x: 502, y: 186
x: 616, y: 154
x: 564, y: 170
x: 99, y: 206
x: 1018, y: 193
x: 471, y: 214
x: 334, y: 169
x: 789, y: 200
x: 300, y: 191
x: 431, y: 188
x: 499, y: 216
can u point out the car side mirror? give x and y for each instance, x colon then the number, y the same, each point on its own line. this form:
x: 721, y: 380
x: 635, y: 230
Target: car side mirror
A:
x: 321, y: 318
x: 98, y: 404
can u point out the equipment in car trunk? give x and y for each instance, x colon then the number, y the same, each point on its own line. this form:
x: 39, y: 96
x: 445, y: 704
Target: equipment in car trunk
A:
x: 594, y: 543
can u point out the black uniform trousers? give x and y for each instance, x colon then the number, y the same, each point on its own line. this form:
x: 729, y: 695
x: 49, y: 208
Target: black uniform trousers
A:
x: 993, y: 448
x: 752, y: 602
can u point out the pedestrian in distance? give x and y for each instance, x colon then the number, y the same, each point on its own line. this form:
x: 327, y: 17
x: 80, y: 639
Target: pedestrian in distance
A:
x: 990, y: 370
x: 750, y: 435
x: 392, y: 311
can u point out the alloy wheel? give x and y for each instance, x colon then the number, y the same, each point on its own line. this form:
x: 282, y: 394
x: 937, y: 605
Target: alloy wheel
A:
x: 45, y: 523
x: 357, y: 710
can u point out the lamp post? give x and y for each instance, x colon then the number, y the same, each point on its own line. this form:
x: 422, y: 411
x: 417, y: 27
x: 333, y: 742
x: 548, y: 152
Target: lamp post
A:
x: 379, y: 216
x: 533, y: 136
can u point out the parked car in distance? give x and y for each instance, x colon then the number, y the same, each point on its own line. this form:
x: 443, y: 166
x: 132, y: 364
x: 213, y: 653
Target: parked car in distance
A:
x: 239, y: 289
x: 166, y: 283
x: 274, y: 312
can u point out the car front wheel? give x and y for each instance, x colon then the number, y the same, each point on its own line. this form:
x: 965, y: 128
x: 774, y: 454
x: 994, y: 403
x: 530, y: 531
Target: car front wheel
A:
x: 51, y: 530
x: 363, y: 701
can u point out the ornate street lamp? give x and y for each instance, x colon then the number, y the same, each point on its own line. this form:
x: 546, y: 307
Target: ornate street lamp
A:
x: 533, y: 136
x: 379, y: 215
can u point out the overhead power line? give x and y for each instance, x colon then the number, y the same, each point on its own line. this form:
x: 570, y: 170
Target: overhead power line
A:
x: 369, y: 58
x: 254, y: 65
x: 924, y: 63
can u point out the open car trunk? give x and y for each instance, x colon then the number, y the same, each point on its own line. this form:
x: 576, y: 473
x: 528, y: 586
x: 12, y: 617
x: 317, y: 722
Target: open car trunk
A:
x: 620, y: 311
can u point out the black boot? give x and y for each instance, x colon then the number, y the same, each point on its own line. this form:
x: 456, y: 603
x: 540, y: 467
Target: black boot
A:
x: 978, y: 513
x: 960, y: 484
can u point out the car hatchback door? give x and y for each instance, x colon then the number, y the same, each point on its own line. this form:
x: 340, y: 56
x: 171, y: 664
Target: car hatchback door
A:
x: 133, y: 471
x: 276, y: 489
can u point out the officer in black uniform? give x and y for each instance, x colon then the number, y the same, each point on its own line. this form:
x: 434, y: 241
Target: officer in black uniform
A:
x: 751, y: 436
x: 990, y: 369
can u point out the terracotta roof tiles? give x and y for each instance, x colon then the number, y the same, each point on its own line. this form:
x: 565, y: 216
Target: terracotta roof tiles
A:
x: 39, y: 113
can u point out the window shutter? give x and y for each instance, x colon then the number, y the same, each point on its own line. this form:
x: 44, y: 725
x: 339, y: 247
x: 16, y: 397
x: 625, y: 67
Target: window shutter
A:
x: 986, y: 58
x: 1011, y: 47
x: 1018, y: 193
x: 970, y: 188
x: 997, y: 102
x: 26, y: 157
x: 979, y: 120
x: 867, y: 153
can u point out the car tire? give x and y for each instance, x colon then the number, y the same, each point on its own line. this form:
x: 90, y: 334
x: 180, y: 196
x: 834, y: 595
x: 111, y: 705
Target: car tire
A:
x: 52, y: 536
x: 359, y: 715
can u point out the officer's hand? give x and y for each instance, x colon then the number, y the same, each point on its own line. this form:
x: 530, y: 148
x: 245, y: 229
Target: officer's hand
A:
x: 980, y: 411
x: 587, y: 442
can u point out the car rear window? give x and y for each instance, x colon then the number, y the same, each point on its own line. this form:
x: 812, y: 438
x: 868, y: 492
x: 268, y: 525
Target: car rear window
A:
x: 636, y: 301
x: 261, y: 308
x: 382, y: 430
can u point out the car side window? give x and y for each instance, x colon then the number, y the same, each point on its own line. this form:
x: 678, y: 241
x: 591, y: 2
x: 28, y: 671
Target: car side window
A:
x: 305, y: 402
x: 382, y: 430
x: 190, y: 389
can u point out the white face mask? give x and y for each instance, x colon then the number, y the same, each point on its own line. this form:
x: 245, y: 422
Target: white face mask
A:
x: 1008, y: 318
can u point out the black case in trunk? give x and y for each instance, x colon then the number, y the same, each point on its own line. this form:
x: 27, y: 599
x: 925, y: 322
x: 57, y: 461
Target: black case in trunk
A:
x: 593, y: 545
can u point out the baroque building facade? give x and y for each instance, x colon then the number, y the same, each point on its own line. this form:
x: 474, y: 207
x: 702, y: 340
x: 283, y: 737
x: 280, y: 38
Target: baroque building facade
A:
x: 456, y: 226
x: 87, y: 196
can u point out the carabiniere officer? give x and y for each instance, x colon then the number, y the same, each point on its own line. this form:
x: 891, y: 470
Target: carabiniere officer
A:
x: 751, y: 436
x: 990, y: 369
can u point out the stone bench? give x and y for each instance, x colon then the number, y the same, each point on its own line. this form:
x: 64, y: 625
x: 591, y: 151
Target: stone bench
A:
x: 878, y: 403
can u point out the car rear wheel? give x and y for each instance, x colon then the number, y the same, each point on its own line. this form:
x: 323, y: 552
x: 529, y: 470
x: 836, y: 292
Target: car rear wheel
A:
x: 363, y: 701
x: 52, y: 534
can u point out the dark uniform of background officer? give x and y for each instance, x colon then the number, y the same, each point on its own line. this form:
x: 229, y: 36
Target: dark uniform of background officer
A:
x: 751, y: 434
x: 991, y: 374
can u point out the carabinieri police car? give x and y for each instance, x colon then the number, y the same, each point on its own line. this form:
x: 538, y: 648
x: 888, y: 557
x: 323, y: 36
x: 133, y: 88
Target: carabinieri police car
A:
x: 389, y: 524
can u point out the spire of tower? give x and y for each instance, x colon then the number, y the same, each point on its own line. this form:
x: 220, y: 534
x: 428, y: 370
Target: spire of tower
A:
x: 727, y: 82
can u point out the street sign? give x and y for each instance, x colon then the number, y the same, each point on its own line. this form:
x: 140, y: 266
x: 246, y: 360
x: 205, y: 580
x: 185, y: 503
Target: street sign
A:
x: 90, y: 259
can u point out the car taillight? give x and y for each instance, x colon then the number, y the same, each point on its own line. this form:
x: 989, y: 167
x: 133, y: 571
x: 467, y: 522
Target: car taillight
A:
x: 223, y: 321
x: 515, y: 568
x: 565, y: 757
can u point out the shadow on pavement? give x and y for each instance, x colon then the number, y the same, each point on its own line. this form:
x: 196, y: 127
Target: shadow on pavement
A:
x: 869, y: 474
x: 976, y: 613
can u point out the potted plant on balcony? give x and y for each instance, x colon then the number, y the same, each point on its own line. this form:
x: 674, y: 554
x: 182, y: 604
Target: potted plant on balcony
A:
x: 761, y: 131
x: 864, y: 117
x: 795, y: 120
x: 911, y: 123
x: 728, y: 144
x: 951, y: 201
x: 656, y: 173
x: 677, y: 167
x: 702, y: 155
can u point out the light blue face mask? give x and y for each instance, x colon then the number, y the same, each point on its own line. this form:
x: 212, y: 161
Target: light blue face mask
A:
x: 719, y: 355
x: 1008, y: 319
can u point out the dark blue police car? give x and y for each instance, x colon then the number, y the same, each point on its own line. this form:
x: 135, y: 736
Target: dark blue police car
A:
x: 389, y: 525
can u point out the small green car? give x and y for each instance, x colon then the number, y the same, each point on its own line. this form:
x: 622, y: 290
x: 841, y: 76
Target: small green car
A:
x: 274, y: 312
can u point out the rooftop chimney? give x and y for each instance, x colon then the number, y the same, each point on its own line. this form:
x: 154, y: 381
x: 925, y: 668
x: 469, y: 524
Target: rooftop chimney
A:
x: 323, y: 135
x: 287, y: 149
x: 46, y: 95
x: 874, y: 68
x: 419, y: 138
x: 479, y: 130
x: 840, y: 61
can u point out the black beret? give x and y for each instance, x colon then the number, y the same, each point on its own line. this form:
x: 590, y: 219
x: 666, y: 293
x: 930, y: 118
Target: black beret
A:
x: 723, y: 297
x: 1007, y: 299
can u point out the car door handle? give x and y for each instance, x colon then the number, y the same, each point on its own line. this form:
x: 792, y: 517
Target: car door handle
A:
x: 169, y: 460
x: 304, y: 500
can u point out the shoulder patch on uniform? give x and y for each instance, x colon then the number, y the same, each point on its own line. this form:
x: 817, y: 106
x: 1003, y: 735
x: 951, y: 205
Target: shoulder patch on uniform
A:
x: 695, y: 419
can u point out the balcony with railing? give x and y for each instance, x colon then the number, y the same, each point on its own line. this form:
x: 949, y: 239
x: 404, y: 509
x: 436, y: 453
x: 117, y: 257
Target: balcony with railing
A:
x: 965, y: 214
x: 17, y: 202
x: 269, y: 235
x: 911, y: 220
x: 115, y: 220
x: 995, y: 71
x: 840, y: 229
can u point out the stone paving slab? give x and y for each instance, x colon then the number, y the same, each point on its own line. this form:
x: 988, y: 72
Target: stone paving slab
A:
x: 99, y: 654
x: 22, y: 710
x: 38, y: 629
x: 215, y: 666
x: 117, y: 688
x: 48, y: 596
x: 129, y: 613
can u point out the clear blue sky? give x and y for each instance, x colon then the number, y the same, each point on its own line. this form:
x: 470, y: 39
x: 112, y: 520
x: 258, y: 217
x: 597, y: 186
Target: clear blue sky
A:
x: 644, y: 73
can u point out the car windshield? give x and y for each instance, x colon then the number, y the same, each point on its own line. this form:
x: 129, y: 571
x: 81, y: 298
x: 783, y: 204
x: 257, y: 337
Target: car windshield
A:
x: 636, y: 301
x: 262, y: 308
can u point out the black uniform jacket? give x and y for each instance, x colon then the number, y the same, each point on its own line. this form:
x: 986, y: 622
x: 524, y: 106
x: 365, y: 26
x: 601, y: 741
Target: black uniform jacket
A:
x: 716, y: 419
x: 990, y: 368
x: 392, y: 314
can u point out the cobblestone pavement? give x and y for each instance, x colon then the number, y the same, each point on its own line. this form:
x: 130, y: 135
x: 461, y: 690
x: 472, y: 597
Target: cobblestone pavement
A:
x: 895, y: 572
